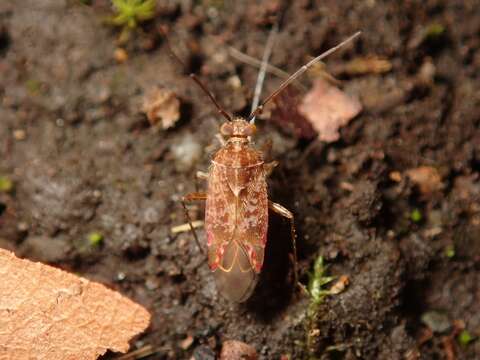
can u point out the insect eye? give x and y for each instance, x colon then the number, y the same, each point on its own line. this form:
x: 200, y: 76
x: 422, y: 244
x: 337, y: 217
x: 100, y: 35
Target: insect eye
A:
x: 226, y: 129
x: 251, y: 130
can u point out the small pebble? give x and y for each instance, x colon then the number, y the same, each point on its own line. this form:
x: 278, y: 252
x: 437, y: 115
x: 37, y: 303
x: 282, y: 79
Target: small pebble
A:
x: 152, y: 283
x: 436, y: 321
x: 395, y: 176
x: 120, y: 55
x: 22, y: 227
x: 19, y: 134
x: 121, y: 276
x: 186, y: 343
x: 234, y: 82
x: 186, y: 152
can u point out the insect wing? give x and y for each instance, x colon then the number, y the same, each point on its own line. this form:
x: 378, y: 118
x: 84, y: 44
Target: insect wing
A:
x: 236, y: 281
x: 236, y: 227
x: 252, y: 223
x: 219, y: 215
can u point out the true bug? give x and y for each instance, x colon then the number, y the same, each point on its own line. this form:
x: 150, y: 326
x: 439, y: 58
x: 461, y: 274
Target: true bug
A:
x: 236, y: 215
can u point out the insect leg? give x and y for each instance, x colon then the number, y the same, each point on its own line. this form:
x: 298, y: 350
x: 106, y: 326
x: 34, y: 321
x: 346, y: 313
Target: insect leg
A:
x: 282, y: 211
x: 202, y: 175
x: 268, y: 167
x: 221, y: 139
x: 196, y: 196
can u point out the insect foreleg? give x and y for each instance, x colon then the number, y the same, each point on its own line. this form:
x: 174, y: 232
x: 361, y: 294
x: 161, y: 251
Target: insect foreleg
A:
x: 282, y: 211
x: 196, y: 196
x: 202, y: 175
x: 221, y: 139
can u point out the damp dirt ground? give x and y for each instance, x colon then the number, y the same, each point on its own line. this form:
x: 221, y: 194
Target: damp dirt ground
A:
x: 83, y: 159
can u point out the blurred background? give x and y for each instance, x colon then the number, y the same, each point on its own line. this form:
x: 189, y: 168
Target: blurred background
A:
x: 102, y: 132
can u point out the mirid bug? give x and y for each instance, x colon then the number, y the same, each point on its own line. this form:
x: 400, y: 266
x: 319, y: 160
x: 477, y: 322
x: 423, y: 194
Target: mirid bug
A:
x: 237, y: 204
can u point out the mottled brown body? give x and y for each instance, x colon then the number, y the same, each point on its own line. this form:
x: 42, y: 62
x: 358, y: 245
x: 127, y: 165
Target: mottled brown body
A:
x: 236, y: 217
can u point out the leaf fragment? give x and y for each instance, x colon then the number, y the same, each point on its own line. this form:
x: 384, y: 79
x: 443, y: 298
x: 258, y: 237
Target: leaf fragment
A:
x: 328, y: 108
x: 427, y: 178
x: 161, y: 106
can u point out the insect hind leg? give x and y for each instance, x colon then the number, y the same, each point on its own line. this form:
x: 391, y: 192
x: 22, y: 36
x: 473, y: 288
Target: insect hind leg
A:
x: 196, y: 196
x: 268, y: 167
x: 282, y: 211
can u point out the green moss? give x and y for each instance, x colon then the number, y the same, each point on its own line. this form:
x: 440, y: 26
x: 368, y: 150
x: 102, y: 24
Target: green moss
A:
x: 434, y: 30
x: 416, y: 216
x: 33, y: 86
x: 128, y: 14
x: 6, y: 185
x: 465, y: 338
x: 95, y: 239
x: 450, y: 251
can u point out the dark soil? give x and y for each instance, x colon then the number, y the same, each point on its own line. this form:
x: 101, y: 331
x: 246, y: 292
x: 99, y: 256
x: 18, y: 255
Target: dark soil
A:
x: 88, y: 161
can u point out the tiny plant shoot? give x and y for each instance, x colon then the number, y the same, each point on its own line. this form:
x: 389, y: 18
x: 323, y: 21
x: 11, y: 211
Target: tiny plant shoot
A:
x: 129, y: 13
x: 317, y: 291
x: 6, y: 185
x: 95, y: 239
x: 318, y: 280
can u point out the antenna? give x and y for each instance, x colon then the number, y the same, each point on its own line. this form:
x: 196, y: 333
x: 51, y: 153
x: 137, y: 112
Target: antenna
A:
x: 195, y: 78
x: 263, y: 69
x: 298, y: 73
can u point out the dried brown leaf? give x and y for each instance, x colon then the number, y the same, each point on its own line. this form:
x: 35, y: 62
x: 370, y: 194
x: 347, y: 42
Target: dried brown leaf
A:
x: 340, y: 285
x: 161, y: 106
x: 328, y: 108
x: 427, y: 178
x: 47, y: 313
x: 233, y: 350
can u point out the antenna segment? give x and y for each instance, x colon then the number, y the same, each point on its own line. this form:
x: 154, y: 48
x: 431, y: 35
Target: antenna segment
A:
x: 298, y: 73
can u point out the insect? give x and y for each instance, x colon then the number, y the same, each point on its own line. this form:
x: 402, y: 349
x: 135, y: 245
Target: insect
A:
x: 237, y: 204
